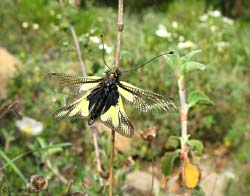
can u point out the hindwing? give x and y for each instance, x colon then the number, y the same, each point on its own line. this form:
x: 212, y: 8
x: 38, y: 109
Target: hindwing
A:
x: 116, y: 119
x: 77, y: 109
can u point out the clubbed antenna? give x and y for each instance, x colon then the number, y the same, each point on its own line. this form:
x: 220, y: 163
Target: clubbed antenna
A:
x: 138, y: 67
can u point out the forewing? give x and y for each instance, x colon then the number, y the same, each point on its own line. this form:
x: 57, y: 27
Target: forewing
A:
x: 77, y: 109
x: 72, y: 84
x: 116, y: 119
x: 145, y: 101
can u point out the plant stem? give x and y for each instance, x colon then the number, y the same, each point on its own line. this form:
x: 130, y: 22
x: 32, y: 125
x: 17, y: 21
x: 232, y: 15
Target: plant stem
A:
x: 117, y: 64
x: 93, y: 127
x: 153, y: 176
x: 111, y: 169
x: 184, y: 120
x: 94, y: 134
x: 78, y: 50
x: 184, y: 107
x: 183, y: 103
x: 119, y: 33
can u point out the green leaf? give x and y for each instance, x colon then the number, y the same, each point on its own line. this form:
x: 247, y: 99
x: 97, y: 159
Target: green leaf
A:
x: 14, y: 167
x: 197, y: 146
x: 42, y: 149
x: 189, y: 56
x: 192, y: 66
x: 50, y: 151
x: 197, y: 192
x: 64, y: 23
x: 184, y: 140
x: 198, y: 97
x: 168, y: 162
x: 174, y: 141
x: 173, y: 60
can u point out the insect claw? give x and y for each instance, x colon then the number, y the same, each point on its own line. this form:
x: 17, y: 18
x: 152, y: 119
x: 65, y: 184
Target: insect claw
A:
x: 91, y: 121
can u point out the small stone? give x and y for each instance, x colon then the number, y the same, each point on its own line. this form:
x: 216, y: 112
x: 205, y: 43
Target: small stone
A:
x: 141, y: 181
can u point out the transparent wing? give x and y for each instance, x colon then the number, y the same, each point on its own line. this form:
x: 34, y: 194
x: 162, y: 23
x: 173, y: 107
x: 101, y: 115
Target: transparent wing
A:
x: 77, y: 109
x: 145, y: 101
x: 72, y: 84
x: 116, y: 119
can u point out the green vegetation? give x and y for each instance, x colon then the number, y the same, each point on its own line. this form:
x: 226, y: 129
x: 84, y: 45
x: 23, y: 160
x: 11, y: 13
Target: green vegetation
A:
x: 38, y: 34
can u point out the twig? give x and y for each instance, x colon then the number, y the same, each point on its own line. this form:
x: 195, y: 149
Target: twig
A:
x: 214, y: 186
x: 117, y: 64
x: 73, y: 32
x: 111, y: 169
x: 93, y: 127
x: 153, y: 176
x: 119, y: 33
x: 94, y: 134
x: 56, y: 172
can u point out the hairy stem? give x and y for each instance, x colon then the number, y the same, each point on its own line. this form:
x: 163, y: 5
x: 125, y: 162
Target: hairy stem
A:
x: 111, y: 169
x: 184, y: 111
x: 117, y: 64
x: 94, y: 134
x: 119, y: 33
x: 184, y: 120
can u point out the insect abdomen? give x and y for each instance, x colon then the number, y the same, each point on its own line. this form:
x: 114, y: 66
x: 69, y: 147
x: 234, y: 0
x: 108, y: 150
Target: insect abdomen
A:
x: 101, y: 99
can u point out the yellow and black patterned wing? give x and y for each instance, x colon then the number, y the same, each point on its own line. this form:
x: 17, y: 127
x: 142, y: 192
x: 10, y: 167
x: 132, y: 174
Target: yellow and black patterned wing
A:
x: 72, y: 85
x: 116, y: 119
x: 145, y: 101
x: 77, y: 109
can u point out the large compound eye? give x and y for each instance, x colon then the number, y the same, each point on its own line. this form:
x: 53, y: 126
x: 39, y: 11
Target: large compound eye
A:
x: 118, y: 73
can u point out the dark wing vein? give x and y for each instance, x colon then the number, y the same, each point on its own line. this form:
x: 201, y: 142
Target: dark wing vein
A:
x: 146, y: 101
x: 72, y: 84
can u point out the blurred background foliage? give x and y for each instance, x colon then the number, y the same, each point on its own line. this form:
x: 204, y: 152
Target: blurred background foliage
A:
x: 37, y: 33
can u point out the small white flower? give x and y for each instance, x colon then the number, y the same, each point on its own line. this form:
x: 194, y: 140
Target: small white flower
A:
x: 65, y: 43
x: 181, y: 38
x: 230, y: 174
x: 72, y: 2
x: 81, y: 39
x: 94, y: 39
x: 59, y: 16
x: 25, y: 25
x: 106, y: 48
x: 92, y: 31
x: 52, y: 12
x: 56, y: 28
x: 215, y: 13
x: 29, y: 126
x: 175, y: 24
x: 203, y: 18
x: 187, y: 44
x: 35, y: 26
x: 221, y: 46
x: 213, y: 28
x: 228, y: 20
x: 162, y: 31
